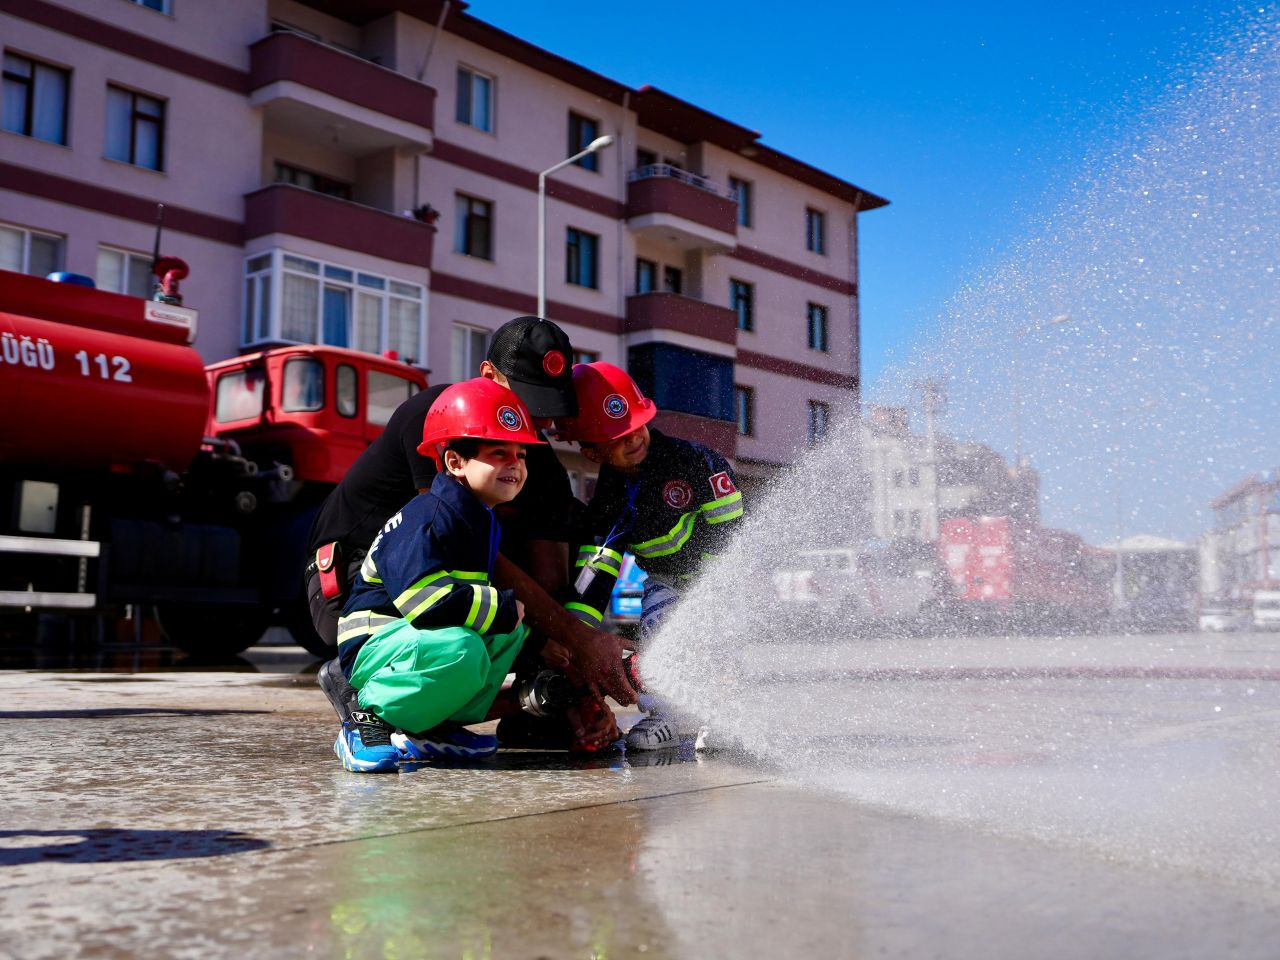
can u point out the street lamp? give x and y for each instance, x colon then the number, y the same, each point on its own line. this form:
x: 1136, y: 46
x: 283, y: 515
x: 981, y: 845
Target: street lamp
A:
x: 599, y: 143
x: 1017, y: 383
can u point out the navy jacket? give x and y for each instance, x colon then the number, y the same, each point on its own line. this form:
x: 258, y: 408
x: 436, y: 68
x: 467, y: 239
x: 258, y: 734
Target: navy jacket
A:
x: 430, y: 565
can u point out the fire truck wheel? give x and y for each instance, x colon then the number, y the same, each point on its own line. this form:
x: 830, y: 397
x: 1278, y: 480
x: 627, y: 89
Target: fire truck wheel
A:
x: 209, y: 630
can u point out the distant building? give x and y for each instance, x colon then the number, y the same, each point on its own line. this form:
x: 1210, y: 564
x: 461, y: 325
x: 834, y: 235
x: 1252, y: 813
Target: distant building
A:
x: 1155, y: 581
x: 914, y: 483
x: 366, y: 174
x: 1241, y: 553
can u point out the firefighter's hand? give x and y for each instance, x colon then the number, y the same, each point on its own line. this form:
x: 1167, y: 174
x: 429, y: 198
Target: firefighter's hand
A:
x: 556, y: 655
x: 597, y: 659
x: 592, y: 723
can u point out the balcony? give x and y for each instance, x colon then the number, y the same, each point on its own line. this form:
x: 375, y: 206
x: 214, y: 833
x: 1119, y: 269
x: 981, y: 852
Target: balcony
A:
x: 673, y: 312
x: 283, y: 208
x: 680, y: 207
x: 314, y: 92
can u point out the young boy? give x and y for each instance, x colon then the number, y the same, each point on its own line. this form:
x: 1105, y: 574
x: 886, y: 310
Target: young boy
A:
x: 424, y: 639
x: 668, y: 501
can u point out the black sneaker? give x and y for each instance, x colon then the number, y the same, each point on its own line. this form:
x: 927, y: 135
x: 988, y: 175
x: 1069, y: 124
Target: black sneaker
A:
x: 342, y: 696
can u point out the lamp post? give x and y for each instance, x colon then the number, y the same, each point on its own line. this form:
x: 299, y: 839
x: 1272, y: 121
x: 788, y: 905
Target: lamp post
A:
x: 1017, y: 383
x: 599, y: 143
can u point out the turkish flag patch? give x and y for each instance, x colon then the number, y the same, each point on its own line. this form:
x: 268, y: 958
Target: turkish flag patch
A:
x: 722, y: 484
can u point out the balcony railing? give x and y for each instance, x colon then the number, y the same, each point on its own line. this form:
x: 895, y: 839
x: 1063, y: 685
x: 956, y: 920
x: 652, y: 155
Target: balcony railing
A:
x: 684, y: 176
x: 671, y: 311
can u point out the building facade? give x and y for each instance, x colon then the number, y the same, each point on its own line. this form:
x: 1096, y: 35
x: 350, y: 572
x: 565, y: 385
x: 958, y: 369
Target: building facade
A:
x: 916, y: 481
x: 1241, y: 554
x: 365, y: 174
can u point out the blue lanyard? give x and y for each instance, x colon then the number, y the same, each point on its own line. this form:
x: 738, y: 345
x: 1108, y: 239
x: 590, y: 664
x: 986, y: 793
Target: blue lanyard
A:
x: 627, y: 517
x: 495, y: 534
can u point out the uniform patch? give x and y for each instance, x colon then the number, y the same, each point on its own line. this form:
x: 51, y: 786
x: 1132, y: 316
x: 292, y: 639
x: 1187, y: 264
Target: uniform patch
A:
x: 677, y: 494
x: 553, y: 362
x: 615, y: 406
x: 510, y: 418
x: 722, y: 484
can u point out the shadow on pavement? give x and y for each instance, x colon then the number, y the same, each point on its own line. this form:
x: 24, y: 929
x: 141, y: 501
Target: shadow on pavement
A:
x: 19, y: 847
x: 98, y: 713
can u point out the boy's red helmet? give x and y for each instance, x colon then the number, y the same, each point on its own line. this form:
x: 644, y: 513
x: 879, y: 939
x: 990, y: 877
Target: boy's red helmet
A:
x: 481, y: 409
x: 610, y: 405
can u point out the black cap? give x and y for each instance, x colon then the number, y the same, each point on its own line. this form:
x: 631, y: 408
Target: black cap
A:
x: 536, y: 358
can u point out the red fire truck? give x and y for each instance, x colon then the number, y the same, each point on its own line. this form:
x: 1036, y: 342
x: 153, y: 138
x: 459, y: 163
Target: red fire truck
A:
x: 137, y: 481
x: 1031, y: 578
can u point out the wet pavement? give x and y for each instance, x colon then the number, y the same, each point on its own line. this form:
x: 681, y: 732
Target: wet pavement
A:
x: 200, y: 812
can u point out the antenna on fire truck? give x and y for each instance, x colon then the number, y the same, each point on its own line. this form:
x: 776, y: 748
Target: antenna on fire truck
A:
x: 155, y: 250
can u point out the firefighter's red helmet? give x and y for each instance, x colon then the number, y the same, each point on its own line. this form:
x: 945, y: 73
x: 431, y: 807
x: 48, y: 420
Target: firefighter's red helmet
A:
x: 610, y: 405
x: 480, y: 409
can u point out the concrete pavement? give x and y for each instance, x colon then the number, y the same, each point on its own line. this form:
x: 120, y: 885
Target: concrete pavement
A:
x: 200, y: 814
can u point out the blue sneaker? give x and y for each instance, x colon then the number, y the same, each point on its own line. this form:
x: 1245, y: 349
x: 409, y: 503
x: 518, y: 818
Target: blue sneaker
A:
x: 449, y: 741
x: 364, y: 745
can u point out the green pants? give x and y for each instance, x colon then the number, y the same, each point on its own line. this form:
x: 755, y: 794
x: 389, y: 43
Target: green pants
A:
x: 417, y: 679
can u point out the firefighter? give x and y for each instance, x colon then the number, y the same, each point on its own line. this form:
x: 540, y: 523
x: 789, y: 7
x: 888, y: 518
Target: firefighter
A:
x: 668, y: 501
x: 425, y: 638
x: 531, y: 356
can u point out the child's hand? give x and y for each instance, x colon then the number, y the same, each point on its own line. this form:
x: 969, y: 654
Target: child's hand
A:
x: 519, y: 613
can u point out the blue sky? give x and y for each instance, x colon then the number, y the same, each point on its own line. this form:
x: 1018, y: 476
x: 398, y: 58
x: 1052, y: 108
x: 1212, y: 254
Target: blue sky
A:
x: 969, y: 118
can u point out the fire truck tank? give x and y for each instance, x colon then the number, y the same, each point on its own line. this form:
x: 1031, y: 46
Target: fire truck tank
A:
x: 96, y: 380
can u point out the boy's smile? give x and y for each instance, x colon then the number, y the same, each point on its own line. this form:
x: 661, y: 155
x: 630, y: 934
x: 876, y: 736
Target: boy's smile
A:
x: 495, y: 474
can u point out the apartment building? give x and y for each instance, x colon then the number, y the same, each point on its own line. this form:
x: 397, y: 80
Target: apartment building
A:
x: 1241, y: 553
x: 365, y: 174
x: 915, y: 481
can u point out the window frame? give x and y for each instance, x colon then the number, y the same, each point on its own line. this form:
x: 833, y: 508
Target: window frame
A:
x: 129, y: 258
x: 462, y: 229
x: 470, y: 364
x: 472, y: 73
x: 165, y: 8
x: 815, y: 230
x: 742, y: 298
x: 134, y: 117
x: 580, y: 122
x: 573, y: 257
x: 744, y: 407
x: 59, y: 239
x: 29, y: 99
x: 672, y: 279
x: 650, y: 267
x: 819, y: 421
x: 324, y: 184
x: 742, y: 192
x: 264, y: 281
x: 817, y: 316
x: 586, y: 356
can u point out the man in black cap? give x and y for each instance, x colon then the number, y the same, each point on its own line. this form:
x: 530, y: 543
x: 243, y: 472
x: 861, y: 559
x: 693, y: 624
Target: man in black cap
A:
x: 533, y: 357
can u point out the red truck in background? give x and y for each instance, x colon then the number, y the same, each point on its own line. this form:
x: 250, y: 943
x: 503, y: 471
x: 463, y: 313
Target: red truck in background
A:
x: 136, y: 481
x: 1032, y: 578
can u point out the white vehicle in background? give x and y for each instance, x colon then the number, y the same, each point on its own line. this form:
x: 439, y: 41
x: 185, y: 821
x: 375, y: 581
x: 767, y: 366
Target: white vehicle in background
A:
x: 1266, y: 610
x: 864, y: 585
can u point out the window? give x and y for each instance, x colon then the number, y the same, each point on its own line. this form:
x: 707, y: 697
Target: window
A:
x: 684, y: 381
x: 386, y: 392
x: 35, y: 99
x: 315, y: 182
x: 581, y: 254
x: 467, y: 349
x: 162, y: 6
x: 646, y: 276
x: 898, y: 520
x: 915, y: 521
x: 672, y: 279
x: 818, y: 414
x: 645, y: 158
x: 744, y: 402
x: 239, y: 395
x: 741, y: 301
x: 817, y: 327
x: 741, y: 190
x: 299, y: 300
x: 27, y: 251
x: 913, y: 476
x: 897, y: 478
x: 815, y: 230
x: 586, y: 356
x: 303, y: 386
x: 135, y: 128
x: 122, y: 272
x: 345, y: 397
x: 473, y: 232
x: 582, y: 130
x: 475, y: 99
